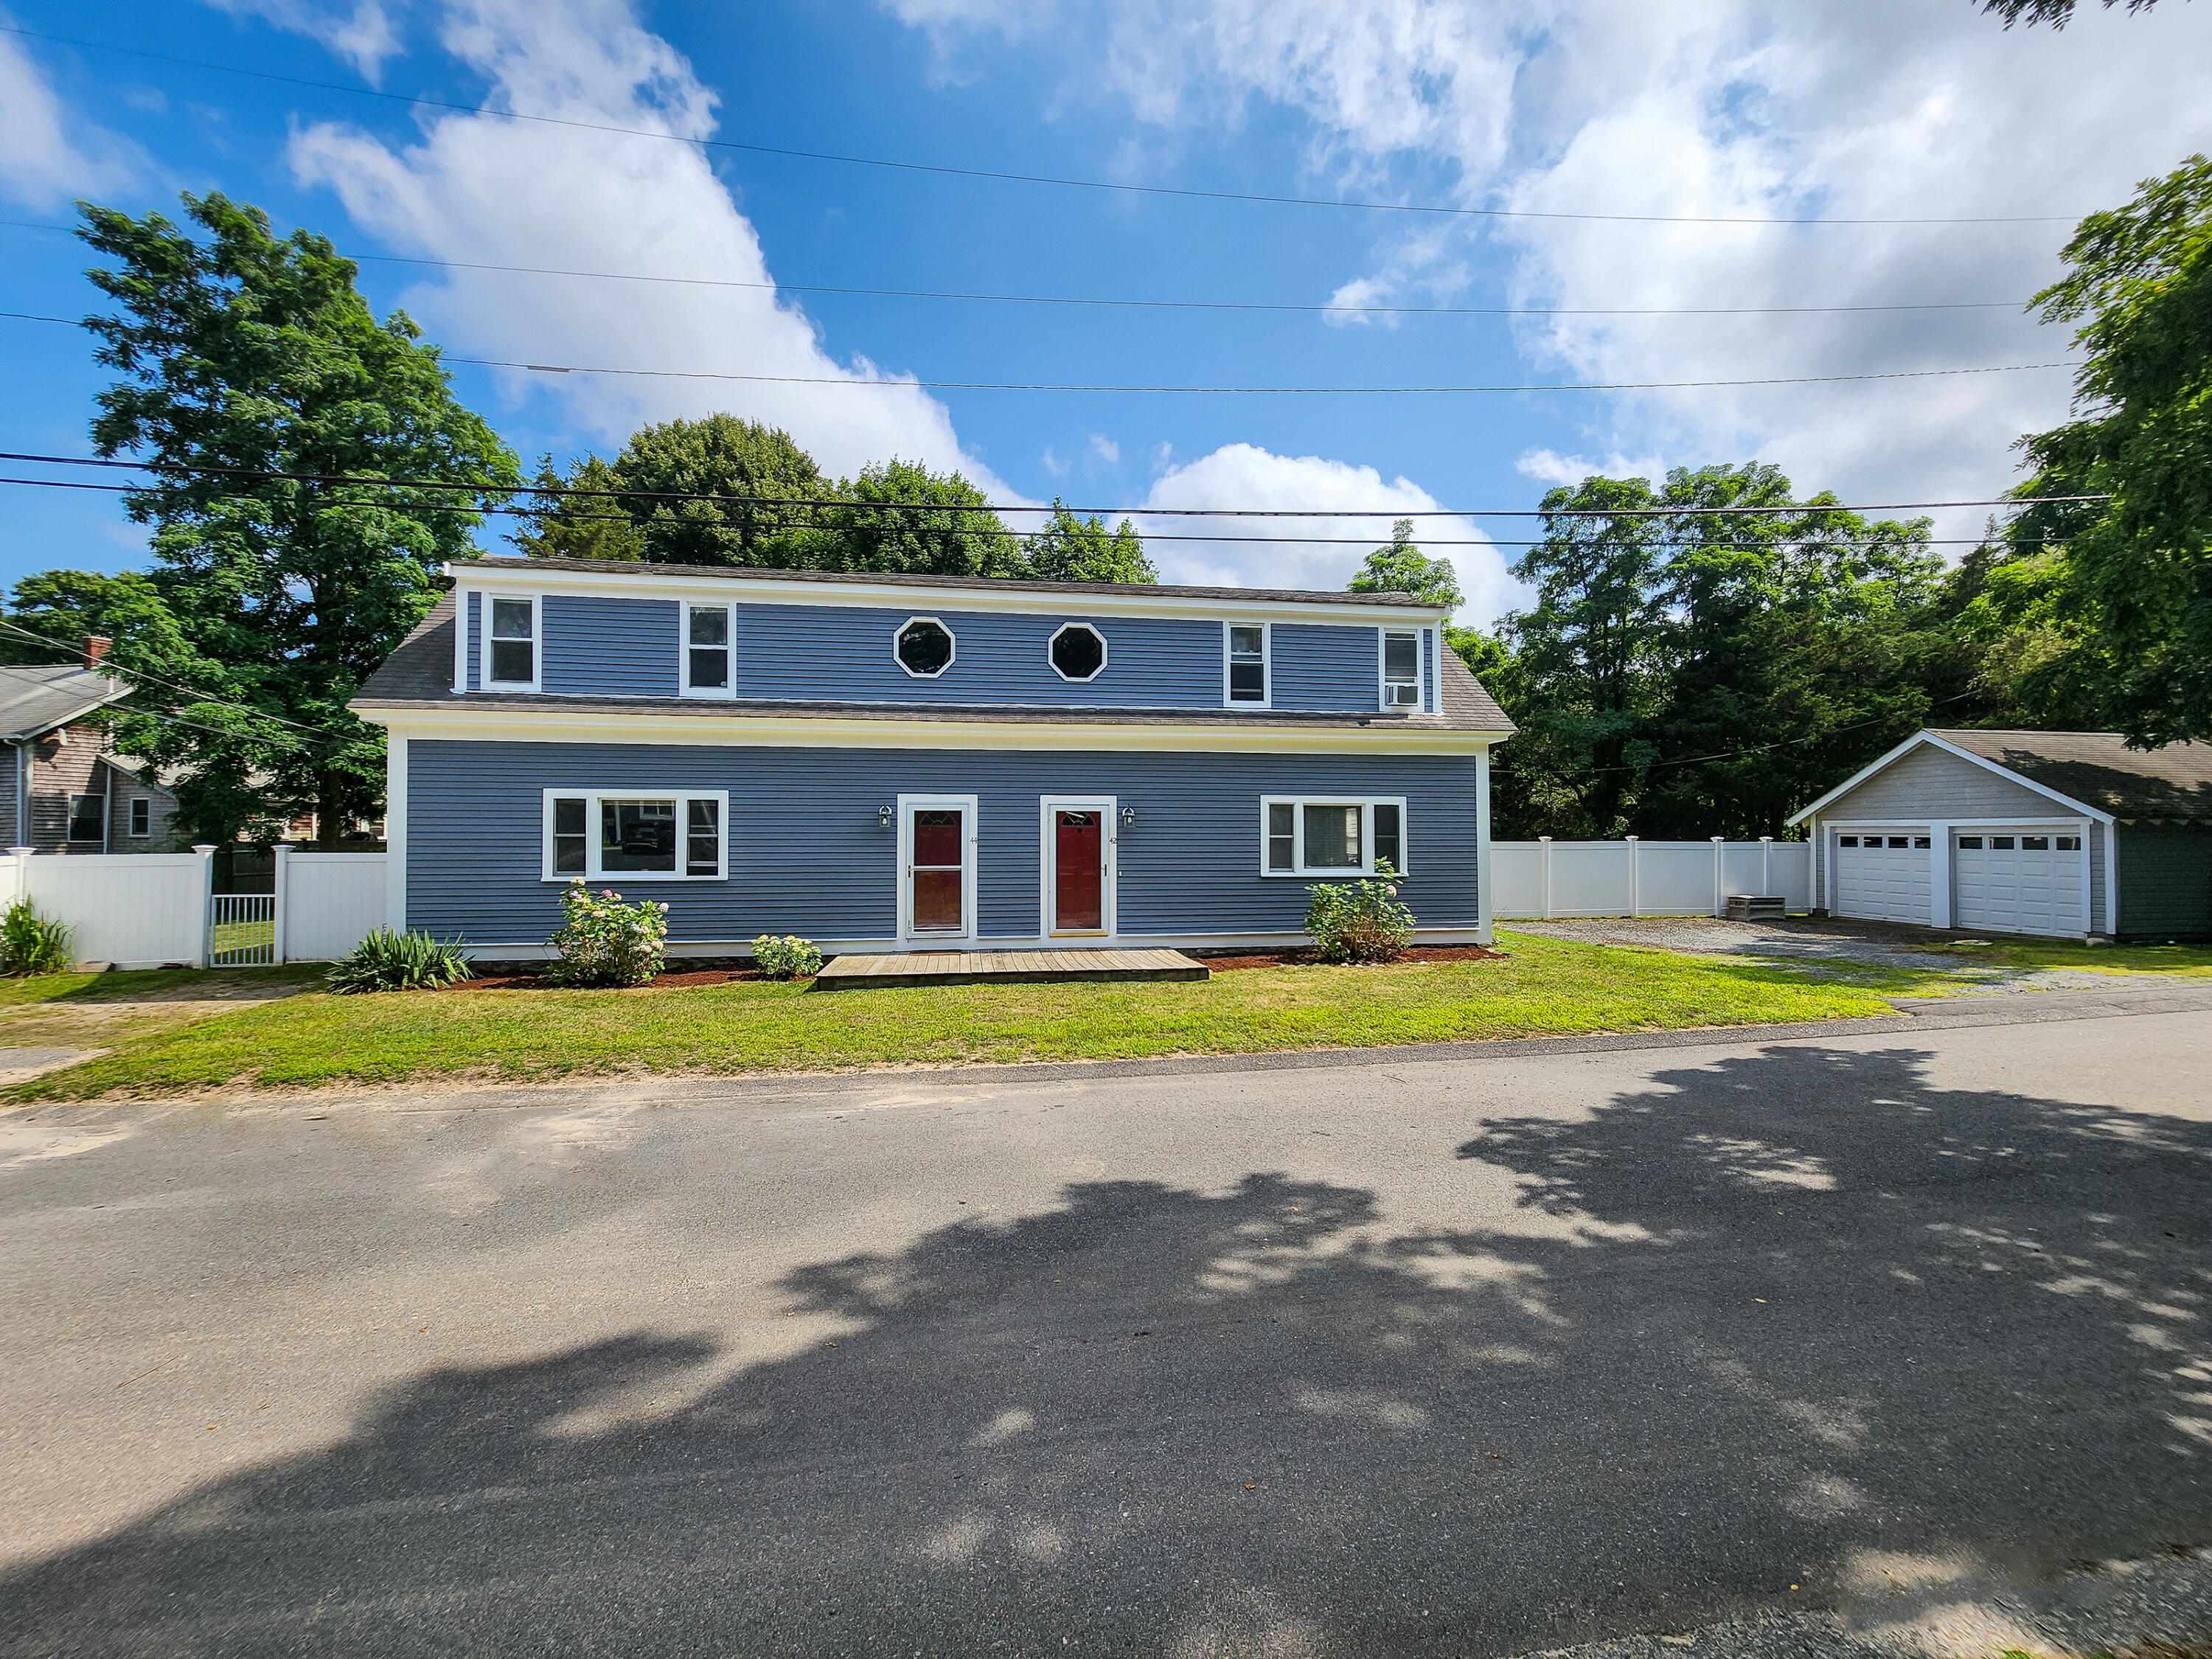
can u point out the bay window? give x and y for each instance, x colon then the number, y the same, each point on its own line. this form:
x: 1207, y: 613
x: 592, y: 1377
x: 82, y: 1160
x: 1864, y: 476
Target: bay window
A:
x: 635, y: 834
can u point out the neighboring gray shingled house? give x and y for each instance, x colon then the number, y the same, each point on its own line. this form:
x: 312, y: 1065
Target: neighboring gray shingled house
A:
x: 2022, y: 832
x: 62, y: 789
x: 897, y: 762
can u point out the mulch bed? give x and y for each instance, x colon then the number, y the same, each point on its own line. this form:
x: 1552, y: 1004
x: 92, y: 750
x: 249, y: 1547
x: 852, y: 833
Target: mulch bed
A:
x: 675, y: 982
x: 1305, y: 958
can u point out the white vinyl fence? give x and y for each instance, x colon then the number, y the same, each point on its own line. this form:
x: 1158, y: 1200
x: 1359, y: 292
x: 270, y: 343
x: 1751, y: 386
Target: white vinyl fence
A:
x: 1546, y: 878
x: 148, y: 909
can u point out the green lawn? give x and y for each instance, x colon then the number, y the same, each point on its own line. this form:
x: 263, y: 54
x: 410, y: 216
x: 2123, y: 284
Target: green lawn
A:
x: 1545, y: 986
x: 2194, y: 961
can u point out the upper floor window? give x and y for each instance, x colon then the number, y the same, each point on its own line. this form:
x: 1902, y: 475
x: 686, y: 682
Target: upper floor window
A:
x: 1077, y: 652
x: 1401, y: 671
x: 709, y: 651
x: 141, y: 818
x: 1247, y: 665
x: 924, y: 648
x: 511, y: 647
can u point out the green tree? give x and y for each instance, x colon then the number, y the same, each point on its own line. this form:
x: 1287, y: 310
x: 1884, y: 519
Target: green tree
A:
x: 2139, y: 285
x: 900, y: 516
x: 1068, y: 549
x: 563, y: 527
x: 2020, y: 614
x: 2057, y: 13
x: 764, y: 482
x: 248, y: 351
x: 1403, y: 568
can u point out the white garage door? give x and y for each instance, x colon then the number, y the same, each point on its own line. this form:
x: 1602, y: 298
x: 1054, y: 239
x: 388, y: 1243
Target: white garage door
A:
x: 2020, y: 883
x: 1883, y: 876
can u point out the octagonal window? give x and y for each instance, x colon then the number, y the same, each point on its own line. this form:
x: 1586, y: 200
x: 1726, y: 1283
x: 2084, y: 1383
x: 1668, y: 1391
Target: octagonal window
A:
x: 1079, y: 652
x: 924, y: 647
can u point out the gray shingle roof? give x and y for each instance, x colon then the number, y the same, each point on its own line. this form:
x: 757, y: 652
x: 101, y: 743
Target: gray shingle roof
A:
x: 419, y: 674
x: 2098, y: 770
x: 36, y: 698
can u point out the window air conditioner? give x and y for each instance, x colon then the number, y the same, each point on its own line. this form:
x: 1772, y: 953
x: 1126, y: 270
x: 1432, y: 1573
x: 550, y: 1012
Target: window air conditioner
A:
x: 1400, y: 694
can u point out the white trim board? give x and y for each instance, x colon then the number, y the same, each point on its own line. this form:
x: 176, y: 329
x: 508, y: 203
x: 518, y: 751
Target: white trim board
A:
x: 1928, y: 738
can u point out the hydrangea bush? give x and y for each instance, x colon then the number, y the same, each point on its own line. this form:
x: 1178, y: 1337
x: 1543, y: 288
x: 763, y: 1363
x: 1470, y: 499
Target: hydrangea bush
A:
x: 788, y: 957
x: 1360, y: 920
x: 603, y: 941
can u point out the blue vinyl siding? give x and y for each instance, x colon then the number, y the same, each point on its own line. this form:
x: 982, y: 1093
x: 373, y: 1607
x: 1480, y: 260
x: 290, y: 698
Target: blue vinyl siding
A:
x: 1321, y: 666
x: 844, y: 652
x: 601, y: 647
x: 474, y: 665
x: 808, y: 856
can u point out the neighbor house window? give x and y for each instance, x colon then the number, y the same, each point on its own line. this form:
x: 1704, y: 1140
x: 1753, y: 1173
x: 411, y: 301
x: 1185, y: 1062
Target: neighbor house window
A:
x: 1331, y: 837
x: 635, y: 834
x: 709, y: 651
x: 1401, y: 669
x: 511, y: 650
x: 1247, y: 674
x: 924, y: 647
x: 141, y: 818
x: 87, y: 820
x: 1077, y: 652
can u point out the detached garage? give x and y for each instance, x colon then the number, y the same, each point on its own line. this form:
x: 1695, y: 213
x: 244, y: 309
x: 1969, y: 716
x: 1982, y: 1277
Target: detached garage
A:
x: 2021, y: 832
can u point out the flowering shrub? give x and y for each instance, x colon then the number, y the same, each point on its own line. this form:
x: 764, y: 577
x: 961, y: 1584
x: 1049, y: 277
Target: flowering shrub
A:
x: 1360, y: 920
x: 788, y: 958
x: 603, y: 941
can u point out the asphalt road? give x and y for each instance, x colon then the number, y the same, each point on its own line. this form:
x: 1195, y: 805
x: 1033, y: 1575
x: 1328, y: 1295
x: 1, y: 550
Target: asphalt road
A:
x: 1444, y: 1355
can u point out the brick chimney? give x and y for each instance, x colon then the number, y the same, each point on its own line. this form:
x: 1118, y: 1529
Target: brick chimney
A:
x: 96, y: 647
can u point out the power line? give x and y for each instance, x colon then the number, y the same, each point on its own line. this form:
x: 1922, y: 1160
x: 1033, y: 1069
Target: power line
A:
x: 1157, y: 305
x: 193, y: 692
x: 901, y: 507
x: 1207, y: 391
x: 1767, y: 748
x: 1392, y: 513
x: 1023, y: 178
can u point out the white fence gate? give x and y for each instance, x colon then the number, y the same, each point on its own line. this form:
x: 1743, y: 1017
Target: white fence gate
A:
x: 151, y: 909
x: 1546, y: 878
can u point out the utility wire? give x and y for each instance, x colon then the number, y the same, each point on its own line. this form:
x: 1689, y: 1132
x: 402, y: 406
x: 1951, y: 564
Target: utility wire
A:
x: 1018, y: 177
x: 1155, y: 305
x: 474, y: 510
x: 1392, y: 513
x: 193, y: 692
x: 1765, y: 748
x: 1209, y: 390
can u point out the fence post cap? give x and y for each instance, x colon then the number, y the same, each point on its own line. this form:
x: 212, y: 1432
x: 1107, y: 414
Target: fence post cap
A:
x: 21, y: 852
x: 1719, y: 838
x: 1543, y: 838
x: 283, y: 846
x: 203, y: 847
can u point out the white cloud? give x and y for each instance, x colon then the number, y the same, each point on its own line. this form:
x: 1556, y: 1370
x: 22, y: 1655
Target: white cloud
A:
x: 1053, y: 463
x: 1549, y: 466
x: 363, y: 32
x: 48, y: 156
x: 1242, y: 475
x: 485, y: 189
x: 1105, y: 448
x: 1882, y: 109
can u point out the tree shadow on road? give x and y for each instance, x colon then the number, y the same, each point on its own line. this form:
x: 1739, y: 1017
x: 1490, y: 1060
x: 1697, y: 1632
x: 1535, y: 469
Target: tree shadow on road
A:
x: 1804, y: 1318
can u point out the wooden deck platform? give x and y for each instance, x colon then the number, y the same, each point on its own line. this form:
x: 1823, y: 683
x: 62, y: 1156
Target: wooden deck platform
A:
x: 846, y: 973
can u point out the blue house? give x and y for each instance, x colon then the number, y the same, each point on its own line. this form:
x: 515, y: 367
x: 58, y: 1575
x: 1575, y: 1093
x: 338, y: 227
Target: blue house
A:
x: 896, y: 762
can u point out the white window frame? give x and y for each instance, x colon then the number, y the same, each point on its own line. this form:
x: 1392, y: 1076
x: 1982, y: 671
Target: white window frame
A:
x: 1105, y: 653
x: 70, y: 837
x: 1266, y: 665
x: 951, y: 657
x: 491, y: 602
x: 1367, y: 804
x: 971, y: 831
x: 591, y: 798
x: 135, y: 832
x: 1382, y: 681
x: 728, y: 689
x: 1049, y: 807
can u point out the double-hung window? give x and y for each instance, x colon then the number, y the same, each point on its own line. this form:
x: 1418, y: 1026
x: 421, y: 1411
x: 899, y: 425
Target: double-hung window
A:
x: 141, y: 818
x: 709, y: 651
x: 636, y: 835
x: 1402, y: 669
x: 511, y: 644
x: 1331, y: 837
x: 1244, y: 671
x: 87, y: 820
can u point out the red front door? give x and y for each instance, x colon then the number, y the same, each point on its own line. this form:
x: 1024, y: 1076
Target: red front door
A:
x: 1079, y: 872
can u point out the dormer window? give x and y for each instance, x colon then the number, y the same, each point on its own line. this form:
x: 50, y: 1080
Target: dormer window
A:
x: 1077, y: 652
x: 709, y: 650
x: 1401, y: 671
x: 924, y: 648
x: 511, y: 647
x: 1246, y: 669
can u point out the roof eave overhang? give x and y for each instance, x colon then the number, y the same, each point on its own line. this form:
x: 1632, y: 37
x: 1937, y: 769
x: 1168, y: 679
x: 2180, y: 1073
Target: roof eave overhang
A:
x: 1930, y: 739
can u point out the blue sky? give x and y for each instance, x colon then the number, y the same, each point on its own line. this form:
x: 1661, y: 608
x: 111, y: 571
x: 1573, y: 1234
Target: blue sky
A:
x: 1875, y: 109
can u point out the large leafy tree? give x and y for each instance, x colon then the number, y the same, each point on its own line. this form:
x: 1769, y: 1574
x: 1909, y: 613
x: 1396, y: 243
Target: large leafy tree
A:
x: 900, y: 516
x: 589, y: 525
x: 764, y: 485
x: 1403, y: 568
x: 240, y: 350
x: 1068, y: 548
x: 2140, y: 287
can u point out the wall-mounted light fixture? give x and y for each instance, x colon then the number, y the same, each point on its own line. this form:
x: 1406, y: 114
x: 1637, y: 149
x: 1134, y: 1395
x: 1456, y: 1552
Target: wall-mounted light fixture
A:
x: 1128, y: 818
x: 884, y: 814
